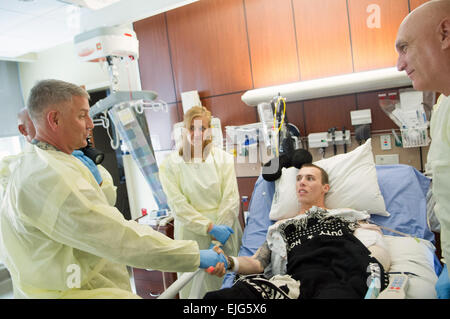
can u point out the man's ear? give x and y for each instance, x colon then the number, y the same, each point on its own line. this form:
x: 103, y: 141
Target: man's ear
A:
x: 22, y: 130
x: 444, y: 33
x: 326, y: 188
x: 53, y: 119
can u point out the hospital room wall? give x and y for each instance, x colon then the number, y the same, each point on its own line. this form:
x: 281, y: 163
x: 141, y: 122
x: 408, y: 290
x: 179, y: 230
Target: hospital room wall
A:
x: 222, y: 48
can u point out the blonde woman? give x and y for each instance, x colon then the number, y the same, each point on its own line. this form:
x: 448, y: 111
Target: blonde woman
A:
x: 200, y: 183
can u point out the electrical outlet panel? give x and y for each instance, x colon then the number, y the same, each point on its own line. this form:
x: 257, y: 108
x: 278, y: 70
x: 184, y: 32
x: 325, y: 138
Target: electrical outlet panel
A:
x: 385, y: 141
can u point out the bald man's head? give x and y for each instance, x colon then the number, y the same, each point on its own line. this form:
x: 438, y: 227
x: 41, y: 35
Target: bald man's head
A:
x: 25, y: 125
x: 423, y: 45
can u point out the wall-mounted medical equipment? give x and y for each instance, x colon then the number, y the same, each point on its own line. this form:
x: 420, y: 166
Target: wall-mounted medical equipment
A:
x: 325, y: 139
x: 332, y: 137
x: 361, y: 120
x: 330, y: 86
x: 410, y: 111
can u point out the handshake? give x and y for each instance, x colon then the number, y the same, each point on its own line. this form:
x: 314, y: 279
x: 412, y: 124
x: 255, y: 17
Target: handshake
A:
x: 214, y: 261
x: 213, y: 258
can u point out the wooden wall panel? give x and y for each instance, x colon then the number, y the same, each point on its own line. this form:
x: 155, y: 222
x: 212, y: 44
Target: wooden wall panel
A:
x: 323, y: 38
x: 209, y: 47
x: 322, y: 114
x: 295, y: 115
x: 231, y: 110
x: 272, y: 43
x: 374, y: 48
x: 416, y: 3
x: 154, y: 58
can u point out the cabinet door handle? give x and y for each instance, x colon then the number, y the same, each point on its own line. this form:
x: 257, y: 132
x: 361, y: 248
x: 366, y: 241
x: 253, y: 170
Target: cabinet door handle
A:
x: 154, y: 295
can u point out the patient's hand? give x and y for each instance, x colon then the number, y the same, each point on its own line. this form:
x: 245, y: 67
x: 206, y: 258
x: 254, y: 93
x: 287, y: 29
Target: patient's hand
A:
x: 219, y: 270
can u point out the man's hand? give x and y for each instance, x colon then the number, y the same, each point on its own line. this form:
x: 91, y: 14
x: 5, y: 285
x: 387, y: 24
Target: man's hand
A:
x: 220, y: 268
x: 210, y: 257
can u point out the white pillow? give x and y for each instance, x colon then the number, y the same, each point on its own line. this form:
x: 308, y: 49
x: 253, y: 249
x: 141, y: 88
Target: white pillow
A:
x: 408, y: 255
x: 353, y: 184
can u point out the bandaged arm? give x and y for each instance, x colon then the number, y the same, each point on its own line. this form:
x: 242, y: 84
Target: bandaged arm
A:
x: 372, y: 237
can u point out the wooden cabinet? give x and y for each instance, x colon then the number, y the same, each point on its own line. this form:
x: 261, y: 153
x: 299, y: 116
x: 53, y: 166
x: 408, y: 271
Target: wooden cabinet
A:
x: 150, y: 283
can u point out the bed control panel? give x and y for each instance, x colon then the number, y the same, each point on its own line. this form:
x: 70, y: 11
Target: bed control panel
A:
x: 396, y: 289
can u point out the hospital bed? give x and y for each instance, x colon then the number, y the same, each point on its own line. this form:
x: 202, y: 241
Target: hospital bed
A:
x: 404, y: 190
x: 410, y: 241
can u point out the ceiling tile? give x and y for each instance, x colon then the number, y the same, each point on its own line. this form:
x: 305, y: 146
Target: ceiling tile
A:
x: 9, y: 20
x: 35, y: 8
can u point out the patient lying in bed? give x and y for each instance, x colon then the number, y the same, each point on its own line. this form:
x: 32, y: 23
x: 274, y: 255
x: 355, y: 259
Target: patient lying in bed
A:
x: 320, y: 253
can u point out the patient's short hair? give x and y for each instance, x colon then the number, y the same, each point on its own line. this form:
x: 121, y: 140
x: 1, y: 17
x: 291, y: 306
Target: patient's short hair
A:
x: 324, y: 175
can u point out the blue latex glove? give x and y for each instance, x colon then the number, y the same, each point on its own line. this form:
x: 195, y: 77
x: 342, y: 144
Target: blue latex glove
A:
x: 209, y: 257
x: 443, y: 284
x: 89, y: 164
x: 221, y: 233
